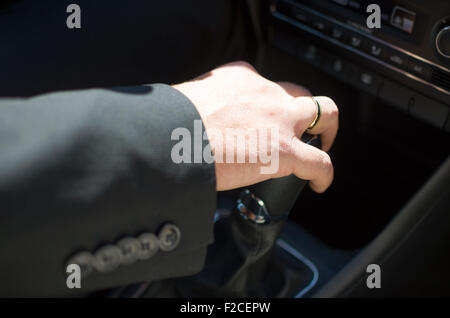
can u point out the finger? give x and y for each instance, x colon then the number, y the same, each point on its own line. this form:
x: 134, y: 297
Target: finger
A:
x: 303, y: 110
x: 312, y: 164
x: 328, y: 123
x: 294, y: 90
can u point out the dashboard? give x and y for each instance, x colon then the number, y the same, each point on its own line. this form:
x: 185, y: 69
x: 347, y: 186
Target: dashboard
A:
x: 405, y: 61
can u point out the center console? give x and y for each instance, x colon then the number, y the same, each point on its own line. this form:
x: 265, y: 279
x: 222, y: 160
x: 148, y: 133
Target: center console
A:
x: 405, y: 62
x: 392, y: 87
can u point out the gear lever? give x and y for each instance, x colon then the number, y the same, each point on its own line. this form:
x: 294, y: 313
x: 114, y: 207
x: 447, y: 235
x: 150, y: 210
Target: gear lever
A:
x: 240, y: 263
x: 272, y: 200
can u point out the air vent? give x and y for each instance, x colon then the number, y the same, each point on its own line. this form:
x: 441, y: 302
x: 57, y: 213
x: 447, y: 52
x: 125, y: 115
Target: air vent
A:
x: 441, y: 78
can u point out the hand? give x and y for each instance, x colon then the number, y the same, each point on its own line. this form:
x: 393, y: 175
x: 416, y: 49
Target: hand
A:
x: 236, y: 96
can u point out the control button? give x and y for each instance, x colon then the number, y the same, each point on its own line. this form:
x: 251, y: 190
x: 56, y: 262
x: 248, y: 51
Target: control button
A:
x: 341, y: 69
x: 374, y: 49
x: 130, y: 248
x: 403, y: 19
x: 84, y: 260
x: 368, y: 81
x: 337, y: 65
x: 429, y: 110
x: 149, y: 245
x: 320, y: 26
x: 107, y: 258
x: 313, y: 55
x: 169, y: 237
x: 366, y: 78
x: 443, y: 42
x: 355, y: 41
x: 396, y: 58
x: 419, y: 68
x: 311, y: 52
x: 396, y: 95
x: 337, y: 34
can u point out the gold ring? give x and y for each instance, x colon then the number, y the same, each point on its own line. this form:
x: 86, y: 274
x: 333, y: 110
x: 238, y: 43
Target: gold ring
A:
x: 318, y: 113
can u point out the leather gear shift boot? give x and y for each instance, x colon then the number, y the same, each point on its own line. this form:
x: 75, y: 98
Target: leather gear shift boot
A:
x: 245, y: 261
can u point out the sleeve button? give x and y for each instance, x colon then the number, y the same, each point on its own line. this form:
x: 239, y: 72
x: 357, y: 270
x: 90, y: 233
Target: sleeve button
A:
x: 107, y: 258
x: 169, y: 237
x: 149, y: 245
x: 130, y: 248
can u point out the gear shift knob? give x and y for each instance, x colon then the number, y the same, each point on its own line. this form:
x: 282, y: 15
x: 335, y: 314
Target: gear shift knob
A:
x: 272, y: 200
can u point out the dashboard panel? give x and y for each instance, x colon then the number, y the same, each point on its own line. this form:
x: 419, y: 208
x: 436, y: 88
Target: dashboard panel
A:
x: 405, y: 62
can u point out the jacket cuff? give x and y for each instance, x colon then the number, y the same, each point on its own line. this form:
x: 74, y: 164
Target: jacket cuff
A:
x: 159, y: 128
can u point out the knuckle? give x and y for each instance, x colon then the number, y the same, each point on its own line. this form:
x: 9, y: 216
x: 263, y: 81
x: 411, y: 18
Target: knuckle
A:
x: 327, y: 165
x: 327, y: 174
x: 294, y: 89
x: 243, y: 64
x: 334, y: 111
x: 304, y: 91
x: 304, y: 104
x: 266, y: 88
x: 287, y: 146
x: 332, y: 107
x: 328, y: 100
x: 288, y: 152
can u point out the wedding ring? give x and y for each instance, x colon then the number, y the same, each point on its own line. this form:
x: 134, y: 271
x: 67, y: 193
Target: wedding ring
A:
x: 318, y: 113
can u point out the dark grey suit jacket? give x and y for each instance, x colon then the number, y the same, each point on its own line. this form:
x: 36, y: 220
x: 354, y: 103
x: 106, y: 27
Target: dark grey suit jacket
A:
x: 82, y: 169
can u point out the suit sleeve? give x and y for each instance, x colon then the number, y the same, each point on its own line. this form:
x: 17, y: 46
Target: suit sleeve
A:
x: 81, y: 171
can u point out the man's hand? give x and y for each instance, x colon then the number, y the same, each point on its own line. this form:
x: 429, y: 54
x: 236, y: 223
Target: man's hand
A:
x: 236, y: 96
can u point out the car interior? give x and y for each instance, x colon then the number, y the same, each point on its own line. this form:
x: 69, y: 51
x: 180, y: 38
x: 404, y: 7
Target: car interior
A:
x: 389, y: 203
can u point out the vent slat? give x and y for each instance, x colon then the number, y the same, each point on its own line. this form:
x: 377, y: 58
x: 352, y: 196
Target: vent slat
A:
x: 441, y: 79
